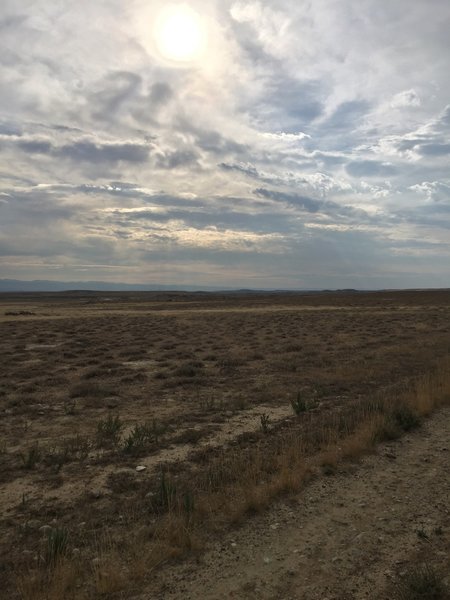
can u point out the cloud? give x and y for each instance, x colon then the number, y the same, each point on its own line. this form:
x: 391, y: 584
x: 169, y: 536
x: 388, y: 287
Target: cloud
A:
x: 269, y: 25
x: 290, y: 103
x: 347, y: 115
x: 87, y: 150
x: 11, y: 129
x: 82, y: 149
x: 438, y: 191
x: 284, y: 153
x: 318, y: 183
x: 290, y: 138
x: 178, y: 158
x: 407, y: 98
x: 35, y: 146
x: 115, y: 91
x: 370, y: 168
x: 160, y: 92
x: 303, y: 202
x: 433, y: 149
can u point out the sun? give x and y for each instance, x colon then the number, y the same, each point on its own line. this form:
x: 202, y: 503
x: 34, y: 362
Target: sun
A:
x: 180, y: 34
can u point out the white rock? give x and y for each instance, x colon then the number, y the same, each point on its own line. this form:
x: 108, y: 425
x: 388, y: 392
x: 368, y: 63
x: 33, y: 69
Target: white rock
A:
x: 44, y: 528
x: 140, y: 468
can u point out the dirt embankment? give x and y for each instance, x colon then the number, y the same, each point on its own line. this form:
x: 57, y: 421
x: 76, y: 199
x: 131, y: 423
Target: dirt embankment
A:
x: 348, y: 536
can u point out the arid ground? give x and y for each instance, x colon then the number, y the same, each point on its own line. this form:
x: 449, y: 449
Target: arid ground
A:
x: 142, y: 435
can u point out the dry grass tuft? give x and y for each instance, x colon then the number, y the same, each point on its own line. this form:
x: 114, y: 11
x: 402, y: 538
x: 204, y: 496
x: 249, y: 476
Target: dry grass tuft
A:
x: 422, y: 582
x: 109, y: 573
x: 49, y: 584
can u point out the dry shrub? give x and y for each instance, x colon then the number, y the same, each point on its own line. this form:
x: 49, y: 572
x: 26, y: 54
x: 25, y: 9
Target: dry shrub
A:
x: 433, y: 390
x: 49, y: 584
x: 421, y: 582
x: 109, y: 575
x: 108, y: 568
x: 178, y: 535
x: 244, y: 500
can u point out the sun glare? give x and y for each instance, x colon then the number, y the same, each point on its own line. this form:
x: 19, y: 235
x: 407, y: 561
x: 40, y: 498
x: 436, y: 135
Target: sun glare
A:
x: 180, y: 34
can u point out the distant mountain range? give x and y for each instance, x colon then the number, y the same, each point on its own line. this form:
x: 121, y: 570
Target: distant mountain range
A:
x: 44, y: 285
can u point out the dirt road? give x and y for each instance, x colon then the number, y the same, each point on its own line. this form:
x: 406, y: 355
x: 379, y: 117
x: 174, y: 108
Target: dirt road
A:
x: 347, y: 536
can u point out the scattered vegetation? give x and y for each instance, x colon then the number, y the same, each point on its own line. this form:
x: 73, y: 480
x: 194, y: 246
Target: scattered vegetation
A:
x: 299, y: 404
x: 421, y: 582
x: 189, y: 369
x: 70, y: 449
x: 109, y: 431
x: 265, y: 423
x: 191, y: 374
x: 70, y: 406
x: 165, y: 498
x: 56, y: 545
x: 90, y: 389
x: 31, y: 456
x: 406, y: 417
x: 142, y: 437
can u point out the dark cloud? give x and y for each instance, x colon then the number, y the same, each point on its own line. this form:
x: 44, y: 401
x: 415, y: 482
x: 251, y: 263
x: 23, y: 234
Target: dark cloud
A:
x: 339, y: 213
x: 245, y: 169
x: 286, y: 103
x: 329, y: 159
x: 10, y: 129
x: 116, y: 90
x: 82, y: 150
x: 176, y: 159
x: 35, y: 208
x: 35, y: 146
x: 370, y: 168
x: 92, y: 152
x: 122, y: 96
x: 252, y: 50
x: 434, y: 149
x: 303, y: 202
x: 290, y: 104
x: 11, y: 22
x: 408, y: 143
x: 209, y: 140
x: 160, y: 92
x: 271, y: 178
x: 347, y: 116
x: 215, y: 143
x: 214, y: 216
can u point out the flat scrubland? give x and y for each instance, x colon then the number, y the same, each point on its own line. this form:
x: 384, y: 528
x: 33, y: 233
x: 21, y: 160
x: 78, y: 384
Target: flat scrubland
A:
x: 139, y: 429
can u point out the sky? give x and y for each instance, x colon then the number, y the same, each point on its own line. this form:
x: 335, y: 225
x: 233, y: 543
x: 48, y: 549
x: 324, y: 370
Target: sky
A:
x: 295, y: 144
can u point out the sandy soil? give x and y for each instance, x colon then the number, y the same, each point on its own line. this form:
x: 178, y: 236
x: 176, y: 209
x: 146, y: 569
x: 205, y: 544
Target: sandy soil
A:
x: 346, y: 537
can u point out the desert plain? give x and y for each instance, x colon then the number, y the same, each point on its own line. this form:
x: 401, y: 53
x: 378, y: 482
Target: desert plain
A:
x: 145, y: 436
